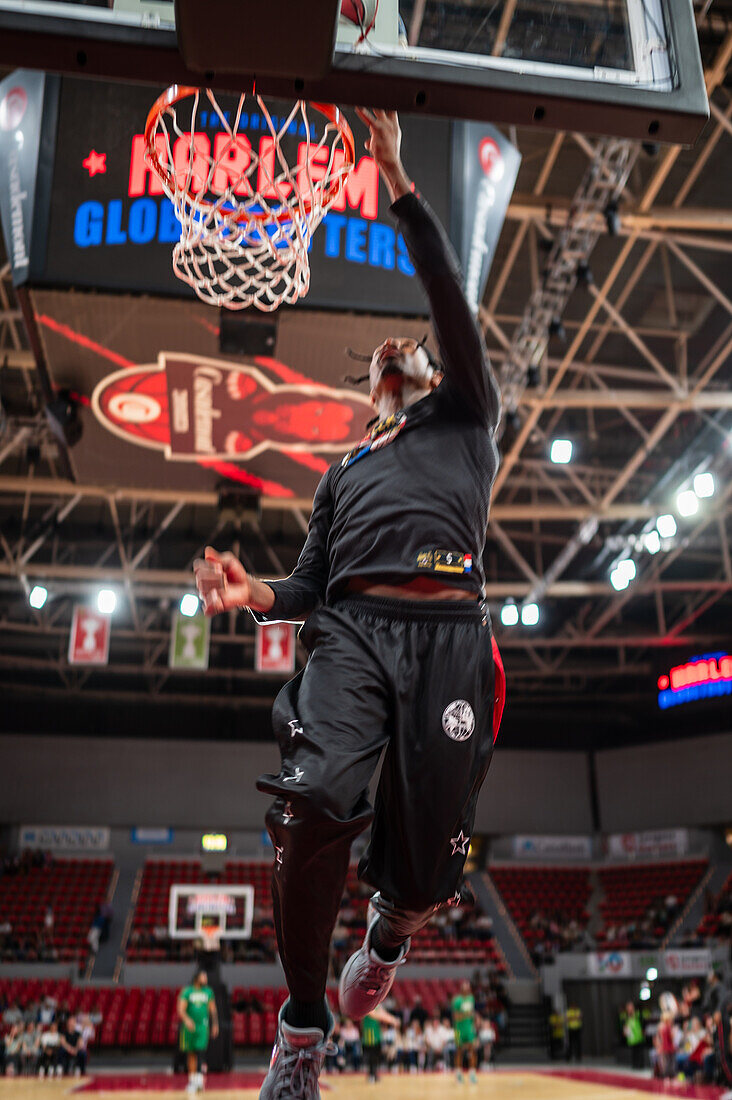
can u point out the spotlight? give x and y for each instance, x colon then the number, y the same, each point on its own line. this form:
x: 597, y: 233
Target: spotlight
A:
x: 561, y: 452
x: 556, y: 328
x: 189, y: 605
x: 652, y: 542
x: 627, y: 568
x: 704, y: 485
x: 532, y: 377
x: 651, y: 974
x: 584, y: 274
x: 530, y: 614
x: 38, y: 596
x: 612, y: 218
x: 687, y: 503
x: 106, y: 601
x: 650, y: 148
x: 645, y: 993
x: 509, y: 614
x: 623, y: 574
x: 63, y: 419
x: 666, y: 526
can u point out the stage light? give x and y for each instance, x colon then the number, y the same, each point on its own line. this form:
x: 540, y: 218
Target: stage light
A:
x: 189, y: 605
x: 530, y: 614
x: 38, y: 596
x: 645, y: 993
x: 509, y: 614
x: 652, y: 542
x: 556, y: 328
x: 584, y: 274
x: 651, y: 974
x: 687, y: 503
x: 619, y: 580
x: 704, y: 485
x: 666, y: 526
x: 612, y: 218
x: 106, y: 601
x: 561, y: 452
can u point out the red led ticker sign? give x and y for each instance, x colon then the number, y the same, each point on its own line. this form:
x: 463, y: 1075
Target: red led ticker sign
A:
x: 700, y: 678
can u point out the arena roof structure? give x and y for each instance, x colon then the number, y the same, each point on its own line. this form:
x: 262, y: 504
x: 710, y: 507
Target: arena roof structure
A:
x: 633, y: 368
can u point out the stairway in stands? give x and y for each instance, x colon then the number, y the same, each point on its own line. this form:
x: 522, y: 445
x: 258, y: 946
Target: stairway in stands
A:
x: 526, y: 1035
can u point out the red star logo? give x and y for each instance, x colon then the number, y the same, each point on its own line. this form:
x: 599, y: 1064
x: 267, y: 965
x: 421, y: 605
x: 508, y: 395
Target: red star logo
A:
x: 95, y: 163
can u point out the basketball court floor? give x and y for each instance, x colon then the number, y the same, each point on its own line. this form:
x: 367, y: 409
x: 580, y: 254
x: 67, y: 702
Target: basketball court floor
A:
x: 500, y: 1085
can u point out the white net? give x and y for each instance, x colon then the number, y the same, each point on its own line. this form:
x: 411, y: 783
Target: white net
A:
x: 247, y: 216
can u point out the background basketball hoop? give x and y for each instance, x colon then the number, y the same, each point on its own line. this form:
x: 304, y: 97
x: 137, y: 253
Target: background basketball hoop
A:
x: 247, y: 215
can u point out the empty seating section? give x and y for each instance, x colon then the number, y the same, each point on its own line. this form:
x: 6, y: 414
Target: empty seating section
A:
x: 136, y: 1018
x: 633, y: 894
x: 560, y: 893
x: 72, y: 888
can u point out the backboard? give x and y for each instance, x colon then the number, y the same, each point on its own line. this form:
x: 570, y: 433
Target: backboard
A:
x: 196, y: 909
x: 630, y: 68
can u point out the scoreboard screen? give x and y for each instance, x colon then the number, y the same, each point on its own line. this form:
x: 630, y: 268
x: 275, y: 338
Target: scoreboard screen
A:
x: 112, y: 227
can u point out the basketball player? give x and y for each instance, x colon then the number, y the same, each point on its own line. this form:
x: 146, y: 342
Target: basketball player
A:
x: 390, y: 582
x: 463, y: 1022
x: 196, y: 1007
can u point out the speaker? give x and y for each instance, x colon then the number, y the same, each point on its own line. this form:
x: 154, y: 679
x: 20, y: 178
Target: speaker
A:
x: 246, y: 334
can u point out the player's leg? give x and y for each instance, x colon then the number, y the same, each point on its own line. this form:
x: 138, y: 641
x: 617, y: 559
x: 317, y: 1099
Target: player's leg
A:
x: 192, y: 1068
x: 330, y: 722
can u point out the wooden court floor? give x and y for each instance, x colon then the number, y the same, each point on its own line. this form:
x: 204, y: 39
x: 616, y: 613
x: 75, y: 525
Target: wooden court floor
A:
x: 493, y: 1086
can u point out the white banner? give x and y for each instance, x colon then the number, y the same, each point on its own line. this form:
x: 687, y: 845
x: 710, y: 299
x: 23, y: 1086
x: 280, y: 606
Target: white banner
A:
x: 659, y: 842
x: 687, y: 961
x: 552, y: 847
x: 609, y: 964
x: 70, y: 838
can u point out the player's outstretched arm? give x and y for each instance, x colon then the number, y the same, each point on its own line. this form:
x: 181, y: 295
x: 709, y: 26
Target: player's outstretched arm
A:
x: 462, y: 348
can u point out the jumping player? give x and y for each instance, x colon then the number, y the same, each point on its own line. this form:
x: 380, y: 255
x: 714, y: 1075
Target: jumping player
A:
x: 196, y: 1008
x: 463, y: 1022
x: 390, y: 582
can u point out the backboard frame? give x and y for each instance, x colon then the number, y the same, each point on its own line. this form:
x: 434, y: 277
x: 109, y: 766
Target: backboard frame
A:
x: 42, y: 37
x: 179, y: 891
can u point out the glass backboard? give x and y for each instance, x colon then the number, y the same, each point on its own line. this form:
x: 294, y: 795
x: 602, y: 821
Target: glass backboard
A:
x: 195, y: 909
x: 630, y: 68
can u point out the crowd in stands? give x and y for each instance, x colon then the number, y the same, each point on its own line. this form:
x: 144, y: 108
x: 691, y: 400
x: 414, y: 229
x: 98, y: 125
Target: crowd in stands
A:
x: 44, y: 1039
x: 683, y: 1041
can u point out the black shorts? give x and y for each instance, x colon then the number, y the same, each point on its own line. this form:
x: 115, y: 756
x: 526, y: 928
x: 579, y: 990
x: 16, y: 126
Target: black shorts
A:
x: 418, y: 680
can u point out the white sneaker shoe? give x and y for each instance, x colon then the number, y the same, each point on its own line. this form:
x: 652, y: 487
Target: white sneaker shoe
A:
x: 366, y: 979
x: 297, y: 1060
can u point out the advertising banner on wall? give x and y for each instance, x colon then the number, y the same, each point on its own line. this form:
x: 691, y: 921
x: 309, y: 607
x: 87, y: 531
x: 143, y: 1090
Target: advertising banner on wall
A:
x: 70, y: 838
x: 552, y: 847
x: 687, y: 961
x: 656, y: 842
x: 610, y: 964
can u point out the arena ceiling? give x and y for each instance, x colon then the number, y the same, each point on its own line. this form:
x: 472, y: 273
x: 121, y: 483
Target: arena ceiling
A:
x: 637, y: 376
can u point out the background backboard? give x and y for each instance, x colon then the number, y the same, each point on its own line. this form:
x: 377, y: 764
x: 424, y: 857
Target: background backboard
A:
x: 196, y: 908
x: 625, y: 67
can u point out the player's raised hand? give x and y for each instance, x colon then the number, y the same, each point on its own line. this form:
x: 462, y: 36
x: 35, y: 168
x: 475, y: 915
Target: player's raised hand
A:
x: 222, y: 581
x: 384, y: 143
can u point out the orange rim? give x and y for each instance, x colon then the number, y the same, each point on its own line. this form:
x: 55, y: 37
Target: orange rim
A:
x: 177, y: 92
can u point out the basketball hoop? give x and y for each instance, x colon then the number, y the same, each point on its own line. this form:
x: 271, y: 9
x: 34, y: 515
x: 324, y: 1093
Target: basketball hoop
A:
x: 247, y: 217
x: 211, y: 937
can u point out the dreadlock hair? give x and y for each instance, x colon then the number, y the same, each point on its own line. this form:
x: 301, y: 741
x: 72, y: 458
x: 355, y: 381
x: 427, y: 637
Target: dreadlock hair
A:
x: 357, y: 380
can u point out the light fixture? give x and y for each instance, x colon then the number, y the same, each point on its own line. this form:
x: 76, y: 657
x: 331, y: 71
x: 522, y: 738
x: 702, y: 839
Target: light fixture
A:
x: 618, y: 580
x: 530, y: 614
x: 106, y: 601
x: 704, y: 485
x: 652, y: 542
x: 556, y: 328
x: 645, y: 993
x: 561, y: 451
x: 189, y: 605
x: 627, y: 568
x: 584, y: 274
x: 612, y: 218
x: 651, y: 974
x: 666, y: 526
x: 687, y: 503
x: 509, y: 614
x: 38, y: 596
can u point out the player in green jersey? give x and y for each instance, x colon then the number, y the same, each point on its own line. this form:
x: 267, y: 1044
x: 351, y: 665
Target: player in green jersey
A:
x: 463, y: 1022
x: 196, y: 1008
x: 371, y: 1040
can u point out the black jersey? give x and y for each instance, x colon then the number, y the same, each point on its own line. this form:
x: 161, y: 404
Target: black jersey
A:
x: 413, y: 498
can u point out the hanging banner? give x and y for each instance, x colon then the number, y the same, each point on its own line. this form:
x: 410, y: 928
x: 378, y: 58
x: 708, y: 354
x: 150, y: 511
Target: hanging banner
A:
x: 89, y: 638
x: 552, y: 847
x: 687, y: 961
x: 189, y: 641
x: 484, y: 169
x: 609, y: 964
x: 275, y: 647
x: 657, y: 842
x: 23, y: 100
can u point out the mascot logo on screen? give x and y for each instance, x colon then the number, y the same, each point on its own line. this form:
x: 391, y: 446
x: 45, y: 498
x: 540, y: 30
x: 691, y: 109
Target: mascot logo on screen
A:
x: 12, y: 108
x: 193, y: 408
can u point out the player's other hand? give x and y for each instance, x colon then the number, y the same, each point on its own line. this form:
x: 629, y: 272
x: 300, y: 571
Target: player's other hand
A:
x: 214, y: 1031
x: 222, y: 581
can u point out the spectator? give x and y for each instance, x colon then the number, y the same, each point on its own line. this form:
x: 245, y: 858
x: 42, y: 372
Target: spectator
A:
x: 434, y: 1038
x: 665, y: 1046
x: 486, y: 1043
x: 371, y: 1040
x: 351, y: 1039
x: 13, y: 1050
x: 12, y: 1015
x: 633, y: 1032
x: 419, y: 1013
x: 86, y: 1036
x: 50, y: 1040
x: 29, y: 1048
x: 696, y: 1057
x: 68, y: 1047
